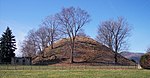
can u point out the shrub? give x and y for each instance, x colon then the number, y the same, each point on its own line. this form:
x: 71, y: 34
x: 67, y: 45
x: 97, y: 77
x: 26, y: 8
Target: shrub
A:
x: 145, y: 61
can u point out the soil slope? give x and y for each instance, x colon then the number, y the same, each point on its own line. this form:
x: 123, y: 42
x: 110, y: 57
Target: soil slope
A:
x: 87, y: 50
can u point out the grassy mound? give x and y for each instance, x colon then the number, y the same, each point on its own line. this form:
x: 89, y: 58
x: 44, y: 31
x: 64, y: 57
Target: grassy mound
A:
x: 87, y: 50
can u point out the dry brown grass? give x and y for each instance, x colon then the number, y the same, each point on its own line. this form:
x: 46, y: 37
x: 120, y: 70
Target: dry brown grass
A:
x: 86, y: 50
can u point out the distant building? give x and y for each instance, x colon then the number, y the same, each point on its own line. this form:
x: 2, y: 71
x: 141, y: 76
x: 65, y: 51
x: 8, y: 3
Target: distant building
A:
x: 21, y: 60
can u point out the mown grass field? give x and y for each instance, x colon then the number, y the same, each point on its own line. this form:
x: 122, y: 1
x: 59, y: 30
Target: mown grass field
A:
x: 53, y: 67
x: 92, y: 73
x: 58, y: 72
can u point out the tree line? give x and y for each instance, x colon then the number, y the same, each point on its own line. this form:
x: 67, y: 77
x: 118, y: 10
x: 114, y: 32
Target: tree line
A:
x: 69, y: 23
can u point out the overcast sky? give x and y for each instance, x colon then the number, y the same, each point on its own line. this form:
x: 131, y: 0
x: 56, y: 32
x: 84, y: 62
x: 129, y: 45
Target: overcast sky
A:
x: 24, y: 15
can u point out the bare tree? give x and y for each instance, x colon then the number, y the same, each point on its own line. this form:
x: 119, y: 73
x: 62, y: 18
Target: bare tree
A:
x: 29, y: 45
x: 41, y: 38
x: 35, y: 42
x: 52, y: 29
x: 72, y: 20
x: 114, y: 34
x: 44, y: 36
x: 148, y: 50
x: 28, y: 49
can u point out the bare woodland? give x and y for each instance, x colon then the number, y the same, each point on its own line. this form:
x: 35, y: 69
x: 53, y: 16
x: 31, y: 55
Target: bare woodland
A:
x: 39, y: 39
x: 69, y: 23
x: 114, y: 34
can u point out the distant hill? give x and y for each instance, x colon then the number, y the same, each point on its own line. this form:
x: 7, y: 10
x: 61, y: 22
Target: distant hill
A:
x: 87, y: 50
x: 132, y: 56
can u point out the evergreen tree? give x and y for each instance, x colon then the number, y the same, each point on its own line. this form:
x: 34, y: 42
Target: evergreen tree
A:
x: 7, y: 46
x: 0, y: 52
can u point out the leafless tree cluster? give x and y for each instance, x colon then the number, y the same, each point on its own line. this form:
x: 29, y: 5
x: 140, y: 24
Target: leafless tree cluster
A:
x: 28, y: 47
x: 54, y: 32
x: 114, y: 34
x: 39, y: 39
x: 69, y: 21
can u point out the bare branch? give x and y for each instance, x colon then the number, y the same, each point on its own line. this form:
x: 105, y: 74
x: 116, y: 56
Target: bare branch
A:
x: 114, y: 34
x: 72, y: 20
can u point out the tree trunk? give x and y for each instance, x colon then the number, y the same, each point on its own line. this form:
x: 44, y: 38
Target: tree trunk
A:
x: 71, y: 56
x: 116, y: 61
x: 52, y: 43
x: 72, y: 50
x: 116, y: 49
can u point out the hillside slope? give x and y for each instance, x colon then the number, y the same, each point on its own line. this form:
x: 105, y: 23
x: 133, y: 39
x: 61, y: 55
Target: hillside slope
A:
x: 132, y: 56
x: 87, y: 50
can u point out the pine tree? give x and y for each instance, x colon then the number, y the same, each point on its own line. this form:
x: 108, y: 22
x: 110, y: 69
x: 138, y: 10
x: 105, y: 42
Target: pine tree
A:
x: 7, y: 46
x: 0, y: 52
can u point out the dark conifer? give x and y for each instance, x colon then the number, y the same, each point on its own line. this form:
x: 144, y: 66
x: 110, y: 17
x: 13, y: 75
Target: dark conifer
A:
x: 7, y: 46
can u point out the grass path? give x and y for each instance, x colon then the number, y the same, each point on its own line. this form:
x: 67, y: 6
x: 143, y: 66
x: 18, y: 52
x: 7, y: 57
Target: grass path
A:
x: 87, y: 73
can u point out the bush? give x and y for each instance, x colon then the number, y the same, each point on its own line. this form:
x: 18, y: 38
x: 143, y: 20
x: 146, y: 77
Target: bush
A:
x: 145, y: 61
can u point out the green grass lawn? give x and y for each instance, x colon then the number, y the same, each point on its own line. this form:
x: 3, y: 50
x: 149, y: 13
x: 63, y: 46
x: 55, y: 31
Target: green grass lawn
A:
x: 53, y: 67
x: 76, y: 73
x: 21, y: 71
